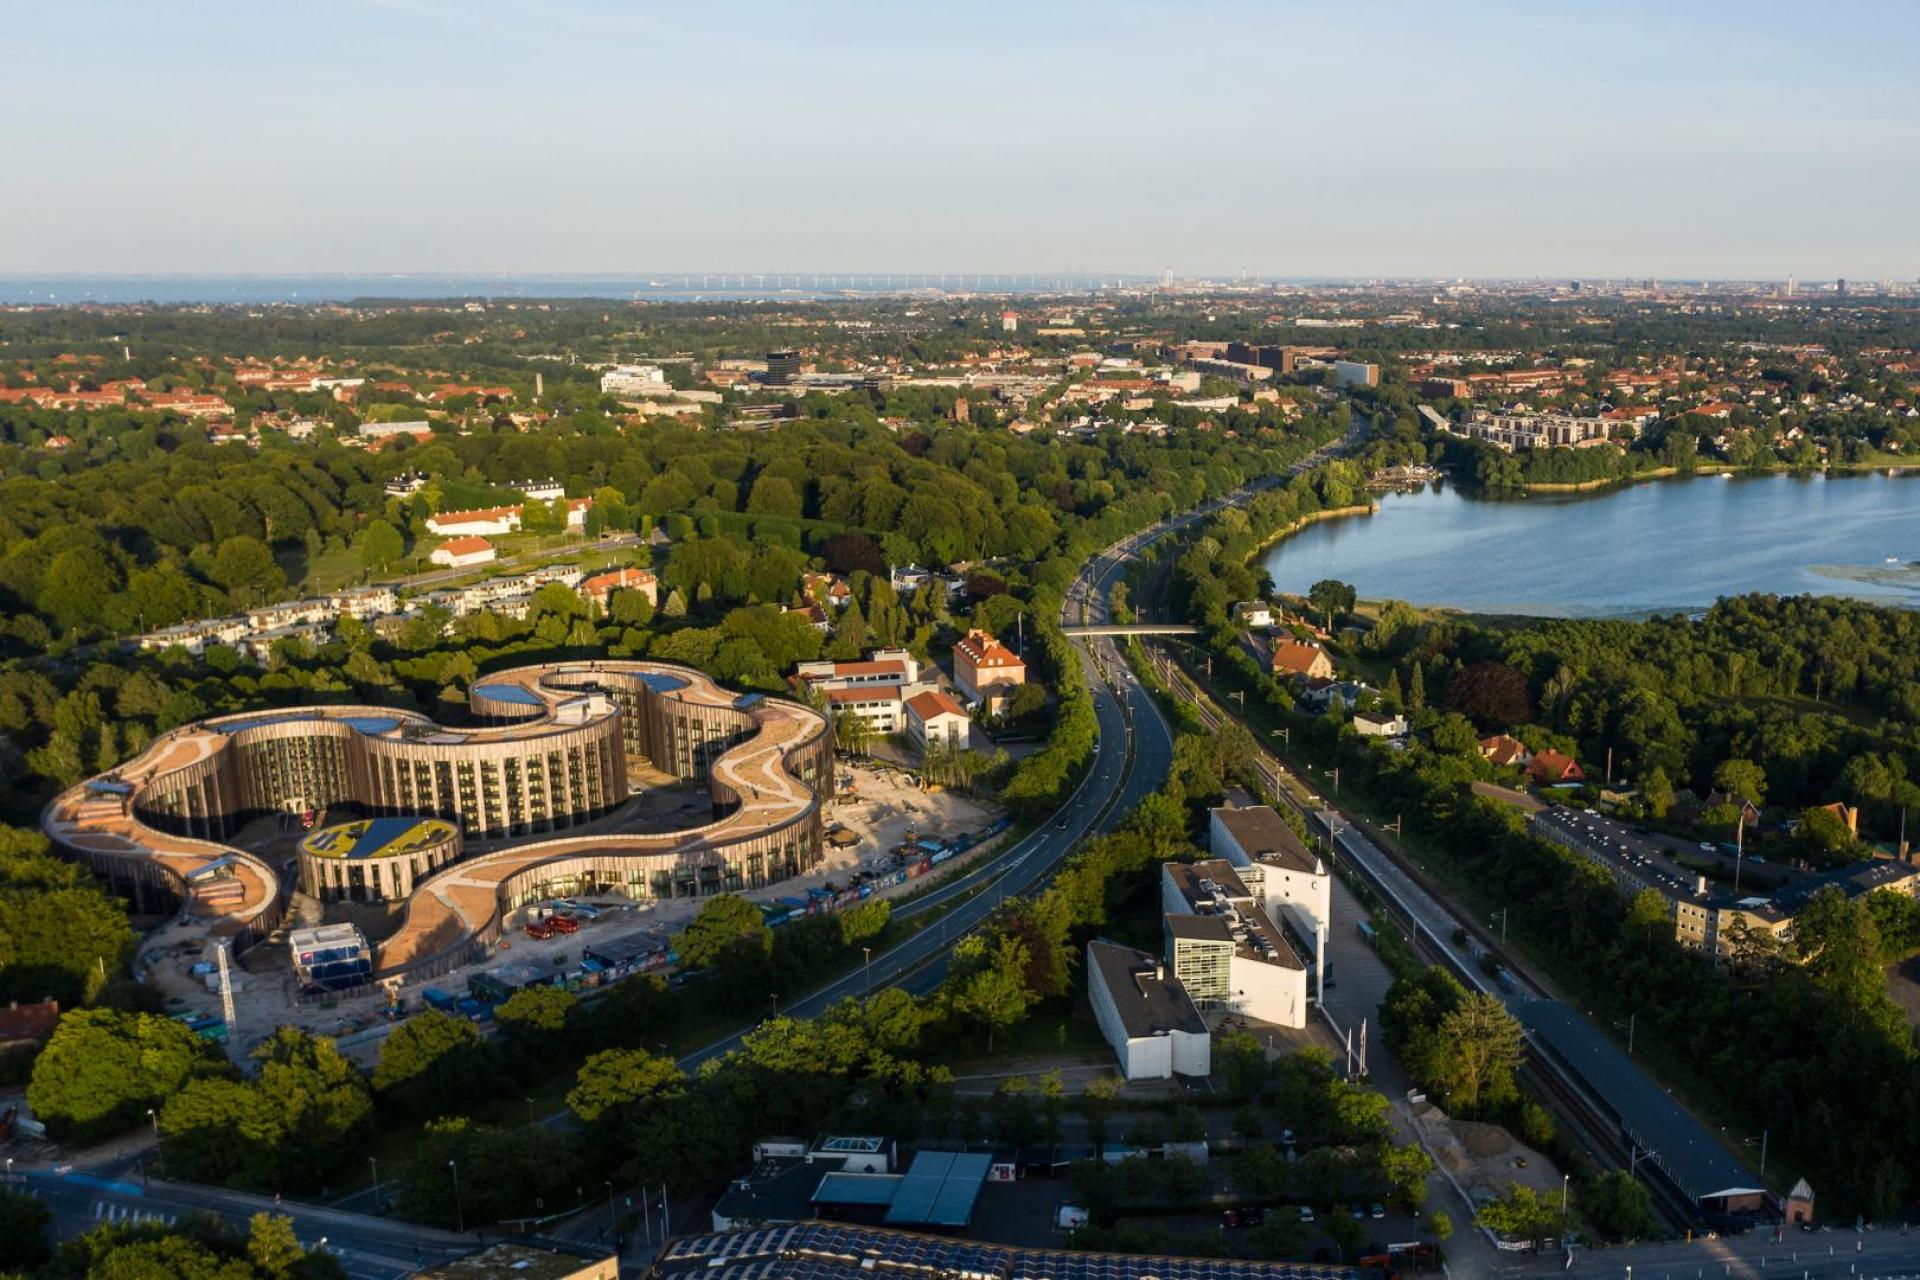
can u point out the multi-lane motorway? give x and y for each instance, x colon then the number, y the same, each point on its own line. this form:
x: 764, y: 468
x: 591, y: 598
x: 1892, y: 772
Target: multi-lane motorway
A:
x: 1132, y: 757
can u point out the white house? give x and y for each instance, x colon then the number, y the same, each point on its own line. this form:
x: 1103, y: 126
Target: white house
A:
x: 1257, y: 614
x: 488, y: 522
x: 933, y: 718
x: 461, y: 553
x: 1374, y: 724
x: 1146, y: 1015
x: 540, y: 490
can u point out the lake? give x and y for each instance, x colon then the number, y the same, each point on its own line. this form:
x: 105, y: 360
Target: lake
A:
x: 1655, y: 547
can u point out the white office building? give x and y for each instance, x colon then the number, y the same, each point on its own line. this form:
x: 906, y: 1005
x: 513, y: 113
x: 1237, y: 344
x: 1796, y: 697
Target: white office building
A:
x: 635, y: 380
x: 1292, y: 884
x: 1226, y: 951
x: 1146, y: 1014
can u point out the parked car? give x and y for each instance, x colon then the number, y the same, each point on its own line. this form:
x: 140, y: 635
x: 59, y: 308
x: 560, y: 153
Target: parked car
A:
x: 1376, y: 1211
x: 1306, y: 1213
x: 540, y: 930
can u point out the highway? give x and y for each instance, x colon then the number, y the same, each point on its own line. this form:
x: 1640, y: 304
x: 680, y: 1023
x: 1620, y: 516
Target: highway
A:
x: 369, y: 1248
x: 1133, y: 753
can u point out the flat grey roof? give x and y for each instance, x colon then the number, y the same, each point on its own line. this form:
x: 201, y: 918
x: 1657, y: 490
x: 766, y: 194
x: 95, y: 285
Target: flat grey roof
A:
x: 1266, y: 837
x: 1147, y: 1005
x: 1679, y: 1144
x: 1201, y: 928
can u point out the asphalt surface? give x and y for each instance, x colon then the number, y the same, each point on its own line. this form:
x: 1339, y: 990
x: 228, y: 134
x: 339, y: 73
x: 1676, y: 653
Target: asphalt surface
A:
x: 369, y: 1248
x: 1133, y: 754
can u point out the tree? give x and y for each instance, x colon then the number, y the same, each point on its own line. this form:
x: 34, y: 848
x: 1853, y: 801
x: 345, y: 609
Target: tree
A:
x: 272, y: 1247
x: 23, y: 1232
x: 1741, y: 779
x: 380, y: 545
x: 1407, y: 1169
x: 620, y: 1079
x: 1822, y: 833
x: 1619, y: 1206
x: 1332, y: 598
x: 723, y: 923
x: 537, y: 1015
x: 1486, y: 1048
x: 246, y: 568
x: 1520, y: 1214
x: 1492, y: 694
x: 993, y: 997
x: 1838, y: 944
x: 431, y: 1063
x: 102, y: 1069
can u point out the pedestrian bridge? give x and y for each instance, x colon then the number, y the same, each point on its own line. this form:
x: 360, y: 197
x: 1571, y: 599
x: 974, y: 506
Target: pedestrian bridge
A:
x: 1135, y: 629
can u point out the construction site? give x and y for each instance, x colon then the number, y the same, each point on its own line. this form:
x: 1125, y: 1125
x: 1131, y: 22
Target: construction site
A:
x: 885, y: 832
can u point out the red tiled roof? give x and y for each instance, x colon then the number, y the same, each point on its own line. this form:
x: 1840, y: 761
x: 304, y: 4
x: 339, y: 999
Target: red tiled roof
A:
x: 465, y: 546
x: 933, y: 702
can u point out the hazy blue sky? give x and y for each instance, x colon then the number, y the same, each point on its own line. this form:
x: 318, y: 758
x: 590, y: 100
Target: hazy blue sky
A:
x: 1679, y: 138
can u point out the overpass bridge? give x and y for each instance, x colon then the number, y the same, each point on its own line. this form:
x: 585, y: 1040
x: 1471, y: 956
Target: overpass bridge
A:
x: 1135, y: 629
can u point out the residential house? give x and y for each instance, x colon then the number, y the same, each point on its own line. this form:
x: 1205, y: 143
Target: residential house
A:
x: 1257, y: 614
x: 1551, y: 768
x: 25, y: 1025
x: 1379, y: 724
x: 1301, y: 658
x: 986, y: 671
x: 1503, y: 751
x: 462, y: 553
x: 600, y: 587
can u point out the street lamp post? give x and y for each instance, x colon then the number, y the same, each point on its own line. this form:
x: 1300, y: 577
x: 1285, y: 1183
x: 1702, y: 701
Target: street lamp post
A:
x: 867, y: 956
x: 376, y: 1180
x: 1503, y: 924
x: 459, y: 1211
x: 613, y: 1220
x: 530, y: 1120
x: 155, y: 1117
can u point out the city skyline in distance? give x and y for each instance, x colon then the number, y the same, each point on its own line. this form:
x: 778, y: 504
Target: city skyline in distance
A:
x: 1491, y: 141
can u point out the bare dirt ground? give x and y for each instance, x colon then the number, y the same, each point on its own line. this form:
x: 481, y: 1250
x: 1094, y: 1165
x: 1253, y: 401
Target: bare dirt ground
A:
x: 882, y: 808
x: 1484, y: 1158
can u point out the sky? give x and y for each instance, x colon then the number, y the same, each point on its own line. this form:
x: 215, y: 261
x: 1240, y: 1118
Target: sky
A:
x: 1681, y: 139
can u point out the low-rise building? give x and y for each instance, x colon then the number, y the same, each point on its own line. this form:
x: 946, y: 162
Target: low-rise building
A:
x: 1146, y: 1014
x: 463, y: 553
x: 1379, y: 724
x: 513, y: 1261
x: 986, y: 671
x: 1301, y: 658
x: 1353, y: 373
x: 635, y: 380
x: 1257, y: 614
x: 1511, y: 431
x: 371, y: 430
x: 1504, y: 751
x: 934, y: 719
x: 599, y: 588
x: 1552, y: 768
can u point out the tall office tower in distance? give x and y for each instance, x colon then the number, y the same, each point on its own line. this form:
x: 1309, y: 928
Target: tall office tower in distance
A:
x: 782, y: 368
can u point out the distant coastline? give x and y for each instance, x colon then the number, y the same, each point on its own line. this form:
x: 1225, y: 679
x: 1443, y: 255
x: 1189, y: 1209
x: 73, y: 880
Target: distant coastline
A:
x: 67, y: 289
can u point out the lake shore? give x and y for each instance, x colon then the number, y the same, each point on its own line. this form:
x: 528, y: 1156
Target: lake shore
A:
x: 1619, y: 550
